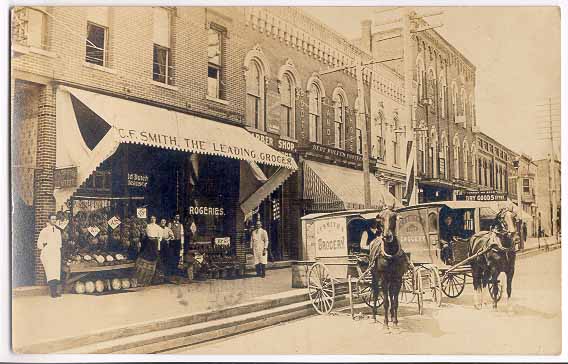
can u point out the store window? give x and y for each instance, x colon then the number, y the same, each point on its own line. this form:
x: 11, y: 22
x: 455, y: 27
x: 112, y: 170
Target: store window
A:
x: 162, y: 60
x: 96, y: 44
x: 215, y: 62
x: 287, y: 102
x: 255, y: 95
x: 315, y: 127
x: 339, y: 121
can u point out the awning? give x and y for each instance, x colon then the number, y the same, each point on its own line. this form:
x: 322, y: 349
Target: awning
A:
x: 91, y: 126
x: 254, y: 200
x: 496, y: 206
x: 332, y: 188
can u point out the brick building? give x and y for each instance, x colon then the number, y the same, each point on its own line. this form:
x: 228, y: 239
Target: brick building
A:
x: 184, y: 70
x: 549, y: 179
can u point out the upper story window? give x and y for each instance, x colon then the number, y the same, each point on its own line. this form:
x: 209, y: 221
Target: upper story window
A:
x: 215, y: 62
x: 339, y: 121
x: 431, y: 84
x: 97, y: 36
x: 287, y: 102
x: 526, y: 185
x: 456, y: 158
x: 359, y: 118
x: 395, y: 140
x: 29, y: 27
x: 162, y: 57
x: 255, y: 95
x: 463, y: 102
x: 315, y: 127
x: 455, y: 100
x: 442, y: 96
x: 420, y: 77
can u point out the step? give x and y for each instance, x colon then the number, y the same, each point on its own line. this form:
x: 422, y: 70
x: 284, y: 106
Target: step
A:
x: 259, y: 304
x: 168, y: 339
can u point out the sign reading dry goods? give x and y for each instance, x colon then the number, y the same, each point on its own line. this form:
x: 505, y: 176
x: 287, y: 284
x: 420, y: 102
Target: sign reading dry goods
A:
x: 482, y: 196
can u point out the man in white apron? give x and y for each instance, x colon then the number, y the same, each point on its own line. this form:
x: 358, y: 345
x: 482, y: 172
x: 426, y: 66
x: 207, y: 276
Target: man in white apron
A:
x: 49, y: 243
x: 259, y: 243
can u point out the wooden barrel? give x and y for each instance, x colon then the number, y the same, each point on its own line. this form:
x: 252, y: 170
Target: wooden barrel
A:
x: 300, y: 274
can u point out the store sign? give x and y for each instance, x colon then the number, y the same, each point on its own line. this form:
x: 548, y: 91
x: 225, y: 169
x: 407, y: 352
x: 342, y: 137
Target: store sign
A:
x: 114, y: 222
x: 223, y: 241
x: 65, y: 177
x: 206, y: 210
x: 142, y: 212
x: 268, y: 140
x: 88, y: 205
x: 137, y: 180
x: 93, y: 230
x: 331, y: 241
x: 481, y: 196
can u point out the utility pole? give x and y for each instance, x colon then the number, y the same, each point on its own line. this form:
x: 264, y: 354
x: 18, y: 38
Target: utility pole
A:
x: 362, y: 120
x: 552, y: 174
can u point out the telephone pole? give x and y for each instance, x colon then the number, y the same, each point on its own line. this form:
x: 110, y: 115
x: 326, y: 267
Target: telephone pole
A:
x: 552, y: 174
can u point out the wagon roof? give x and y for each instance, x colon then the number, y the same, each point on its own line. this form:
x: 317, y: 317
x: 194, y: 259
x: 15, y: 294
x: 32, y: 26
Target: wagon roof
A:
x: 449, y: 204
x: 362, y: 212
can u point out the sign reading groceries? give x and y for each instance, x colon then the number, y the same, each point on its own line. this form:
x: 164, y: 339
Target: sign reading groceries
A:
x: 331, y: 241
x: 211, y: 147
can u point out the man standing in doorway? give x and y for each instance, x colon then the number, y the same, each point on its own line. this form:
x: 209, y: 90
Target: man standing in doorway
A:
x: 49, y: 243
x: 176, y: 243
x: 259, y: 243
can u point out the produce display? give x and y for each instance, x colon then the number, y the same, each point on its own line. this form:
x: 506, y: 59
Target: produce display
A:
x: 212, y: 261
x: 100, y: 286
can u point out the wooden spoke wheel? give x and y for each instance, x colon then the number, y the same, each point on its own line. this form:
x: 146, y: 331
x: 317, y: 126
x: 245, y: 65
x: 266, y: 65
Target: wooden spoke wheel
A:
x: 406, y: 294
x: 499, y: 290
x: 453, y: 284
x: 365, y: 292
x: 419, y: 290
x: 321, y: 288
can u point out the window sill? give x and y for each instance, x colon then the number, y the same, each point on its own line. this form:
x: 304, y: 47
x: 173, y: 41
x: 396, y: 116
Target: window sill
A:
x: 288, y: 139
x: 219, y: 101
x: 164, y: 85
x: 99, y: 68
x: 27, y: 50
x: 254, y: 130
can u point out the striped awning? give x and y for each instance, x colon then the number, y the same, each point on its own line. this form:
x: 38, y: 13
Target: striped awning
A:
x: 333, y: 188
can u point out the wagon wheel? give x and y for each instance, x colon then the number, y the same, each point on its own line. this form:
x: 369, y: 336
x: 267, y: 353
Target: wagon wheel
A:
x: 406, y: 290
x: 435, y: 285
x: 365, y: 292
x: 418, y: 290
x: 499, y: 290
x: 321, y: 288
x: 453, y: 284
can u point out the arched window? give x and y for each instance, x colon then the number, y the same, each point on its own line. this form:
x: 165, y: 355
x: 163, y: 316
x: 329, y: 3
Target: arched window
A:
x: 433, y: 153
x: 359, y: 118
x: 456, y: 157
x: 431, y: 84
x: 395, y: 141
x: 485, y: 176
x: 471, y: 110
x: 315, y: 127
x: 473, y: 163
x: 442, y: 95
x: 463, y: 102
x: 287, y: 102
x: 455, y: 100
x: 339, y: 105
x: 444, y: 158
x: 380, y: 147
x: 255, y: 95
x: 420, y: 77
x: 465, y: 149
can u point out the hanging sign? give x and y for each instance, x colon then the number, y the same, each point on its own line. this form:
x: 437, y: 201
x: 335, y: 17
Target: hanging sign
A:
x: 137, y: 180
x: 481, y: 196
x: 93, y: 230
x: 114, y: 222
x: 142, y: 212
x: 62, y: 224
x: 223, y: 241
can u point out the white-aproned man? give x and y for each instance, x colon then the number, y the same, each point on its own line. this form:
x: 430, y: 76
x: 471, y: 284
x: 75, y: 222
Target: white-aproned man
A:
x: 259, y: 243
x: 49, y: 243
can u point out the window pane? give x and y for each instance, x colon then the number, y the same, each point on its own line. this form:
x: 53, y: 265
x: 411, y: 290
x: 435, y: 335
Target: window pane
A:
x: 213, y: 82
x: 253, y: 79
x: 214, y: 47
x: 312, y: 128
x: 286, y: 92
x: 160, y: 69
x: 95, y: 44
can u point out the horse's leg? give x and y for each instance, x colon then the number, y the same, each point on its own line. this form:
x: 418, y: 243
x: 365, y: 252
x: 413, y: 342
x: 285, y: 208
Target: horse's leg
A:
x: 494, y: 288
x: 396, y: 292
x: 510, y: 273
x: 375, y: 293
x: 476, y: 273
x: 386, y: 300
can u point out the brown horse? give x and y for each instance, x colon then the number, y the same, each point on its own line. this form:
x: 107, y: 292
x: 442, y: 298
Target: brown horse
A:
x: 499, y: 258
x: 389, y: 265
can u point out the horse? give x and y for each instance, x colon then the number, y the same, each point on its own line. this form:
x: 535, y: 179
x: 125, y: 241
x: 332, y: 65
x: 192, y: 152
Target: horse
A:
x: 388, y: 266
x: 499, y: 258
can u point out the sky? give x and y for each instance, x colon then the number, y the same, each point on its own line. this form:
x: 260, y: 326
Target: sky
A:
x: 516, y: 51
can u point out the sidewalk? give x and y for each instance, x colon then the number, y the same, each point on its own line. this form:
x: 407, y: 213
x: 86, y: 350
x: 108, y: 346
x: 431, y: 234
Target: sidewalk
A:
x: 41, y: 318
x: 534, y: 243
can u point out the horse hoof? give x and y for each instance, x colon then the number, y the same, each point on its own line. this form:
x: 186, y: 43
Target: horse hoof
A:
x: 477, y: 307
